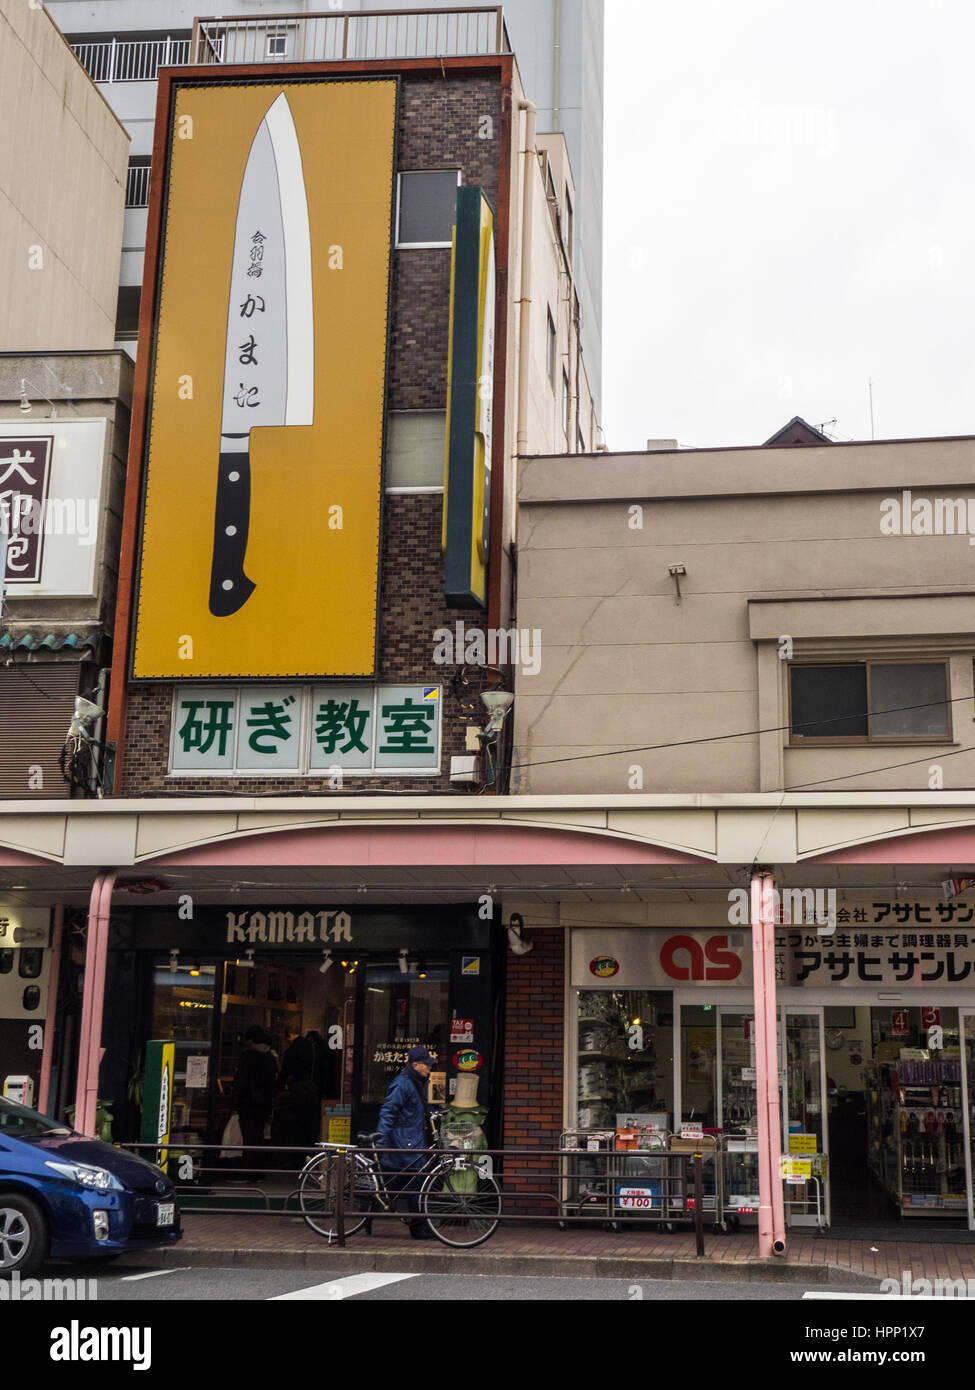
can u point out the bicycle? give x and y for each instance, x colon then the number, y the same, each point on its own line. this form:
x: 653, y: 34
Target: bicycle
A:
x: 459, y: 1200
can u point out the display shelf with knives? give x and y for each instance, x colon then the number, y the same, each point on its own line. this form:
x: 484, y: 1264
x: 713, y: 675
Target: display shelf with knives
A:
x: 916, y: 1136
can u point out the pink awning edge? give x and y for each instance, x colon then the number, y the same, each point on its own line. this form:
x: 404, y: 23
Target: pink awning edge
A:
x: 950, y: 846
x: 394, y: 845
x: 16, y: 859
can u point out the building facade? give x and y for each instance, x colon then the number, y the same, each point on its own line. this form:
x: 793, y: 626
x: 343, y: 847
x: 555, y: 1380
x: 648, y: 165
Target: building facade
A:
x: 64, y: 416
x: 758, y: 666
x: 63, y: 180
x: 336, y: 658
x: 559, y: 44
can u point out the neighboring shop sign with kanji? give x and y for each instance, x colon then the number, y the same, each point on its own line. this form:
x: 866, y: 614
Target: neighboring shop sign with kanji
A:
x: 305, y: 729
x: 875, y: 958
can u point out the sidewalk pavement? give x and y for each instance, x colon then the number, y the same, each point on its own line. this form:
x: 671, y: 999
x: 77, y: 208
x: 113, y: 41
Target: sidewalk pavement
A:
x: 285, y: 1242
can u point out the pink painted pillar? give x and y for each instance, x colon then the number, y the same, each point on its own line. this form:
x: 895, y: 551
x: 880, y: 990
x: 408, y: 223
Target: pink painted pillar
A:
x: 774, y: 1089
x: 93, y: 1002
x: 771, y: 1211
x: 54, y: 974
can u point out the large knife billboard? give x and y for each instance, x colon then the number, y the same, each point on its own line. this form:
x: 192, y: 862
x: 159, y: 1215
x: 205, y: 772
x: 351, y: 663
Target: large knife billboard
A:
x: 263, y: 474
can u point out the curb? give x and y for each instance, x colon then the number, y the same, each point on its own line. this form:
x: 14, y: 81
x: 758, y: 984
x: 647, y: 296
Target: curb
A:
x: 464, y: 1263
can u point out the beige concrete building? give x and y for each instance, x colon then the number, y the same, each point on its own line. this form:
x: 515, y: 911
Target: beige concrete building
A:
x: 755, y: 668
x: 683, y: 600
x: 63, y: 163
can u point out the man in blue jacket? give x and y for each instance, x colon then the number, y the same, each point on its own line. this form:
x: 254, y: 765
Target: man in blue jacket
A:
x: 404, y: 1123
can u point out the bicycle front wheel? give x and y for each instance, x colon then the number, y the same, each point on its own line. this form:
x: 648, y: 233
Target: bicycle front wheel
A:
x: 461, y: 1206
x: 318, y: 1189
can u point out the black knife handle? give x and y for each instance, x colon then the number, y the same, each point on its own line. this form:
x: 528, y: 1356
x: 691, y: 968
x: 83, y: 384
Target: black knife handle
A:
x: 229, y: 586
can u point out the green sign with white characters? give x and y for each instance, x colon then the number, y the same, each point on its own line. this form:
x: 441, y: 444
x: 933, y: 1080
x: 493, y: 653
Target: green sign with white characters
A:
x: 307, y: 729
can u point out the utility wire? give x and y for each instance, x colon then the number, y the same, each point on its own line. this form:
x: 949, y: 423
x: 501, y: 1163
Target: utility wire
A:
x: 754, y: 733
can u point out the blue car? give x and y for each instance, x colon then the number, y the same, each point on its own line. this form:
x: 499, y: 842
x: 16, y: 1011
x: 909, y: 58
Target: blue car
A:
x: 65, y: 1196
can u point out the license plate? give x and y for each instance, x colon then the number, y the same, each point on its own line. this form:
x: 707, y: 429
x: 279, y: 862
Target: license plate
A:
x: 165, y: 1213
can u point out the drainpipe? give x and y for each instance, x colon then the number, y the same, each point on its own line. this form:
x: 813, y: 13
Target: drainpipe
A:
x: 525, y: 292
x: 96, y: 783
x: 52, y: 1008
x: 771, y: 1208
x: 93, y: 1001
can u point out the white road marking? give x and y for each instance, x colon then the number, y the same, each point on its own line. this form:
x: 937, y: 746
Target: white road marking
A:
x: 885, y: 1297
x: 152, y: 1274
x: 348, y: 1287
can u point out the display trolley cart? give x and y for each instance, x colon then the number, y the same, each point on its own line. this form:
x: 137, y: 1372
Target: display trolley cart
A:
x: 679, y: 1199
x: 803, y: 1193
x: 740, y: 1169
x: 585, y: 1173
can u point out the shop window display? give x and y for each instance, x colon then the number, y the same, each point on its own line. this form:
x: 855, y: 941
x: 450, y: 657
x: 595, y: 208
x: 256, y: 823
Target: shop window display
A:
x: 183, y: 1010
x: 625, y: 1057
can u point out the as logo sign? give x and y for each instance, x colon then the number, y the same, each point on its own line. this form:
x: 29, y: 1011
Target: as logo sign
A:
x: 685, y: 958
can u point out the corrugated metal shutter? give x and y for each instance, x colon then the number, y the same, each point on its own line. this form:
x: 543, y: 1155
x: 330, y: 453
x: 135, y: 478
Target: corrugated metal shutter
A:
x: 36, y: 705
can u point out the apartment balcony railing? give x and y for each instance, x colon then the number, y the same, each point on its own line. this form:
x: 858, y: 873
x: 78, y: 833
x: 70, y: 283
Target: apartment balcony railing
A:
x: 302, y: 38
x: 137, y: 186
x: 138, y: 60
x: 364, y: 34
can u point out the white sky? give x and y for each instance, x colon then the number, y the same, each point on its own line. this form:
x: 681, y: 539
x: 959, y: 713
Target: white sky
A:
x: 790, y: 210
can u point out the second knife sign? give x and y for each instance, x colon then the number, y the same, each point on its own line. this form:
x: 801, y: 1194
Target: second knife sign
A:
x: 269, y: 353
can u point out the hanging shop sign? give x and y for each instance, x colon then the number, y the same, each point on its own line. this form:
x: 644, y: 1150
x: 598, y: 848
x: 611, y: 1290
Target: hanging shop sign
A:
x: 314, y: 730
x: 904, y: 958
x: 264, y: 447
x: 470, y: 402
x: 51, y: 506
x: 642, y: 958
x: 652, y: 958
x: 257, y: 928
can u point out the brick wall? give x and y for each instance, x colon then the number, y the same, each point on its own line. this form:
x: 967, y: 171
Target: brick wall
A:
x: 534, y: 1056
x: 442, y: 124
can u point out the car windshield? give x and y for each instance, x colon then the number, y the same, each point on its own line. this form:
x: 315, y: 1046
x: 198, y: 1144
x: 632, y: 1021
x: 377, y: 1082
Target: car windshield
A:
x: 17, y: 1122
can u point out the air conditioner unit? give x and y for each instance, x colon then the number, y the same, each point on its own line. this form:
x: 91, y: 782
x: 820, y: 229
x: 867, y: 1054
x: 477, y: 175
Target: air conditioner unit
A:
x: 465, y: 769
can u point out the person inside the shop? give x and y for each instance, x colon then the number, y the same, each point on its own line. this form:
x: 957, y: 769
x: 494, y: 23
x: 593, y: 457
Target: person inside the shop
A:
x: 404, y: 1123
x: 302, y: 1069
x: 253, y: 1091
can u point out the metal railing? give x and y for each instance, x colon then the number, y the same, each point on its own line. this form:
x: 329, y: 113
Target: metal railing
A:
x: 324, y: 38
x: 568, y: 1187
x: 137, y: 60
x: 137, y: 186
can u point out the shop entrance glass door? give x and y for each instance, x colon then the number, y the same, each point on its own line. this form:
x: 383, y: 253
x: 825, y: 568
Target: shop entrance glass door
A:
x: 401, y: 1009
x: 804, y: 1131
x: 715, y: 1072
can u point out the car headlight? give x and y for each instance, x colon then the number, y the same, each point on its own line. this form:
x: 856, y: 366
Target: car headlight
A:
x: 86, y: 1175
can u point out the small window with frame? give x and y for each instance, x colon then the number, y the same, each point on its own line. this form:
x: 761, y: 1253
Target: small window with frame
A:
x: 551, y: 349
x: 426, y: 208
x: 869, y: 702
x: 277, y: 45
